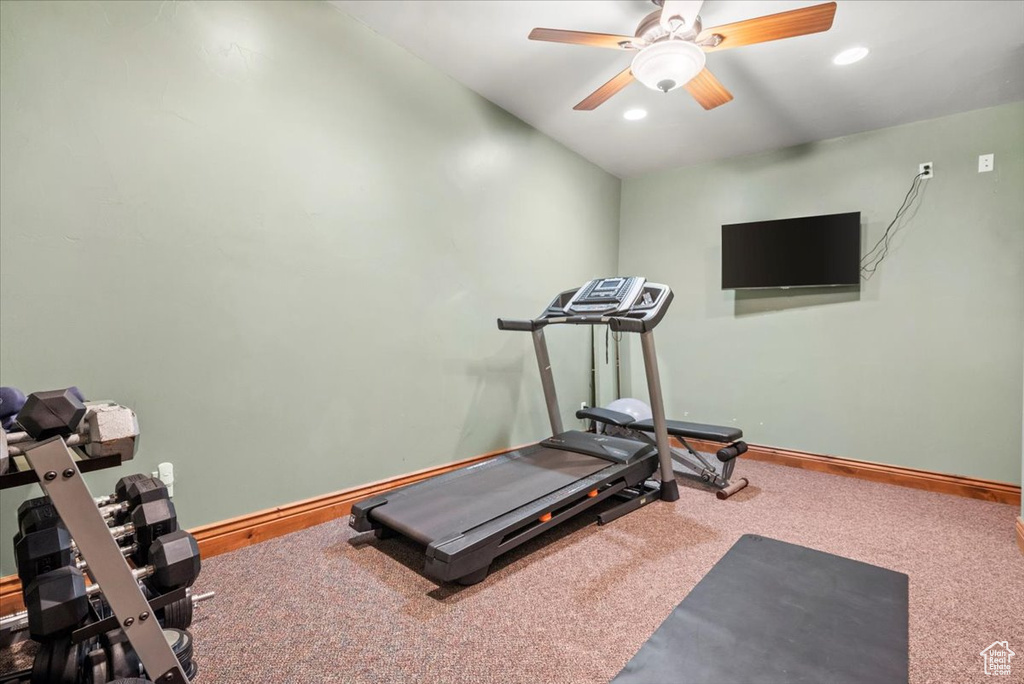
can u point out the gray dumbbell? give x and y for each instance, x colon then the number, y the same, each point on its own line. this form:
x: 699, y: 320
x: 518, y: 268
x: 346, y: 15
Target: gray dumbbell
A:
x: 99, y: 428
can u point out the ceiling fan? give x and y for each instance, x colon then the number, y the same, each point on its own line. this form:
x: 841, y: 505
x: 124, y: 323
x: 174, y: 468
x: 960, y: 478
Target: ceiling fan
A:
x: 670, y: 46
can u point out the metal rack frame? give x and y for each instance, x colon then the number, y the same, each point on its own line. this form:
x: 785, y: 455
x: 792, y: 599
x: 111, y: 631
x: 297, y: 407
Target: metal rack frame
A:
x: 60, y: 475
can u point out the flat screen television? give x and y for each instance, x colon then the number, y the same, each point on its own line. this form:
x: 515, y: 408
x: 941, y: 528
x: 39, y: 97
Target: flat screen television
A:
x: 812, y: 251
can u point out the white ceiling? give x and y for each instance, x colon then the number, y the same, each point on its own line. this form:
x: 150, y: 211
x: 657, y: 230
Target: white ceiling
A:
x: 927, y: 59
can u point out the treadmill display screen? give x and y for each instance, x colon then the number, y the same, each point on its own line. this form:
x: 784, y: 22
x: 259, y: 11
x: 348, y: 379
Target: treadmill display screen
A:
x: 602, y: 295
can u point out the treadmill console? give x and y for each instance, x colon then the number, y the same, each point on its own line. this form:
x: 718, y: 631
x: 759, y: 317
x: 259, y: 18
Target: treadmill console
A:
x: 606, y: 295
x: 624, y: 303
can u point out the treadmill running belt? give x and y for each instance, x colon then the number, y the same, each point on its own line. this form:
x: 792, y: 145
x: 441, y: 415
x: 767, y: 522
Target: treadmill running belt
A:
x: 771, y: 612
x: 435, y: 509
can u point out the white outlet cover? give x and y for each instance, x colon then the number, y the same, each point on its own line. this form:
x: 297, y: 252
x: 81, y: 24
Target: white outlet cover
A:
x: 930, y: 173
x: 986, y: 162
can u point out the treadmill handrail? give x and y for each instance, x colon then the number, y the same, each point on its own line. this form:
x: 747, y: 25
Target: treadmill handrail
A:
x: 521, y: 325
x: 637, y: 320
x: 617, y: 323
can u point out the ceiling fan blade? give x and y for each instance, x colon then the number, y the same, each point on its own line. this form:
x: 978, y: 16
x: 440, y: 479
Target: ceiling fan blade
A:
x: 601, y: 40
x: 708, y: 90
x: 798, y: 22
x: 596, y: 98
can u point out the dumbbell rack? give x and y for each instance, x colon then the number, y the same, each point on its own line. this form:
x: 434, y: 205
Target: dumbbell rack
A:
x: 55, y: 468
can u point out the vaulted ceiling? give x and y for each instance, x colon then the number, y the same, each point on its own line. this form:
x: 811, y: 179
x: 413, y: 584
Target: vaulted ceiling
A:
x: 927, y: 59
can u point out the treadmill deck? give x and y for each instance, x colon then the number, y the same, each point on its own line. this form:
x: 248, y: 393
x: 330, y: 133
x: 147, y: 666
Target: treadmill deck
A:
x: 473, y: 496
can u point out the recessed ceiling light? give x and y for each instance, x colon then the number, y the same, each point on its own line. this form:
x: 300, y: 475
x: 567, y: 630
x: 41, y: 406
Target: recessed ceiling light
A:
x: 850, y: 56
x: 634, y: 114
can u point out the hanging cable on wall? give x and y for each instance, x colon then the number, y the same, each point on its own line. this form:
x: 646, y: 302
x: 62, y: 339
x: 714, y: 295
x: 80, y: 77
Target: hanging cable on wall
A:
x: 873, y: 259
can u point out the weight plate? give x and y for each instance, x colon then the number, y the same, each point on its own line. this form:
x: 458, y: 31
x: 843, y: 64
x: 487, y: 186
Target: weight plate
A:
x: 65, y: 662
x: 177, y: 615
x: 41, y: 664
x: 123, y: 661
x: 180, y: 641
x: 99, y: 672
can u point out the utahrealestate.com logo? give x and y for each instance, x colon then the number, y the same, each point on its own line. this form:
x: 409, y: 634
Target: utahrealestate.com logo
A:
x: 997, y: 658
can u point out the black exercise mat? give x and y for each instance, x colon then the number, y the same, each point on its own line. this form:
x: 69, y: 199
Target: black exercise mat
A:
x: 770, y: 612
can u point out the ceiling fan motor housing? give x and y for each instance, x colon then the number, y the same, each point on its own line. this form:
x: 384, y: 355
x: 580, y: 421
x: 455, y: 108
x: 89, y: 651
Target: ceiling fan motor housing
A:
x: 650, y: 30
x: 668, y: 64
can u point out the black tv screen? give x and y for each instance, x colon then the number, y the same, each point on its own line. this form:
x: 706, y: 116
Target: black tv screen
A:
x: 797, y: 252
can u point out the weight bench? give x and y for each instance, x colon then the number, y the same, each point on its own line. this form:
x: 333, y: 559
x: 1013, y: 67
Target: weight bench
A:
x: 692, y: 462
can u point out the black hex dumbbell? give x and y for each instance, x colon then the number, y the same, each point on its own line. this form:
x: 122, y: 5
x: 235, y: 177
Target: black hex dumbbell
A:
x: 173, y: 562
x: 130, y: 491
x: 58, y: 601
x: 53, y: 413
x: 149, y: 522
x: 37, y: 514
x: 40, y: 551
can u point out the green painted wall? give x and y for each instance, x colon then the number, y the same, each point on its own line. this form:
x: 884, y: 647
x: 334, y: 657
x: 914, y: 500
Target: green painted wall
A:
x: 283, y: 240
x: 920, y: 367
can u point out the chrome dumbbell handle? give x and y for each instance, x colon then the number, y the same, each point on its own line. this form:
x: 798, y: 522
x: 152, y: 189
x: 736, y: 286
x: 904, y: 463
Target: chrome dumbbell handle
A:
x: 125, y: 551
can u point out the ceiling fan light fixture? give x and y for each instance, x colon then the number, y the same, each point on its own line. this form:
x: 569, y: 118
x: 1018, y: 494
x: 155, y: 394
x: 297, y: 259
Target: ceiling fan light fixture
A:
x: 667, y: 65
x: 854, y: 54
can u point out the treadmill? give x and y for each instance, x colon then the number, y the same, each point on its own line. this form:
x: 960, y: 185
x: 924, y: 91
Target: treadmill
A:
x: 465, y: 518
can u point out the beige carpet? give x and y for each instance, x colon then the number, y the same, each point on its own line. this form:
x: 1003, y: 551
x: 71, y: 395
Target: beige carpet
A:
x: 326, y: 605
